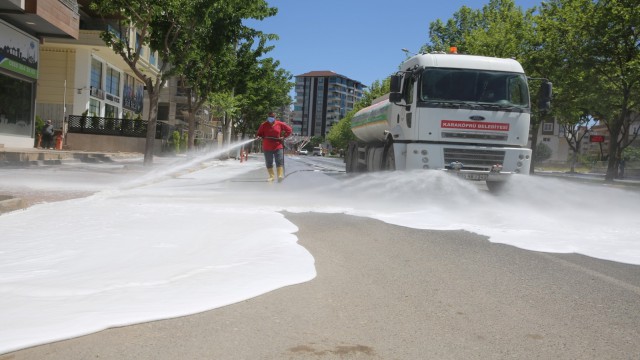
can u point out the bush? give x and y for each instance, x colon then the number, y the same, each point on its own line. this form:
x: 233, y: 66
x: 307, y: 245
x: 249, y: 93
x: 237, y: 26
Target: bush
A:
x: 543, y: 152
x: 175, y: 141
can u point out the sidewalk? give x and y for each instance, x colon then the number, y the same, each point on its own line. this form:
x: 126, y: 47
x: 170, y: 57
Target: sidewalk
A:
x: 588, y: 177
x: 33, y: 156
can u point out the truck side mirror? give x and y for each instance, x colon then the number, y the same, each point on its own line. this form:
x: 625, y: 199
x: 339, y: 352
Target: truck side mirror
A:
x: 395, y: 97
x: 544, y: 97
x: 395, y: 83
x: 395, y: 88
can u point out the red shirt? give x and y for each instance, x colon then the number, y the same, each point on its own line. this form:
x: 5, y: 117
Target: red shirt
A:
x: 276, y: 130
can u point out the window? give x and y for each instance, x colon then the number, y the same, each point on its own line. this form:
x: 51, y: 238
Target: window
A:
x: 113, y: 81
x: 110, y: 111
x: 547, y: 127
x: 477, y: 86
x: 96, y: 74
x: 94, y: 107
x: 139, y: 44
x: 16, y: 109
x: 408, y: 89
x: 163, y: 111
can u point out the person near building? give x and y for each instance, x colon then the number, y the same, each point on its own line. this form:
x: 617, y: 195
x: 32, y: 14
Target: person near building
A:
x: 621, y: 166
x: 47, y: 135
x: 273, y: 132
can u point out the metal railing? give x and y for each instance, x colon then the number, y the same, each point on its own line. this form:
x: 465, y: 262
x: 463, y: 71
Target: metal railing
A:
x: 114, y: 127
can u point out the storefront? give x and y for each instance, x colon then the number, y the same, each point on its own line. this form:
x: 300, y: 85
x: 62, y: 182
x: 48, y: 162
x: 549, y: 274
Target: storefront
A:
x: 19, y: 54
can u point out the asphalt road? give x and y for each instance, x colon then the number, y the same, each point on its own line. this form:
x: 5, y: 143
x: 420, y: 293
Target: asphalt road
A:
x: 389, y: 292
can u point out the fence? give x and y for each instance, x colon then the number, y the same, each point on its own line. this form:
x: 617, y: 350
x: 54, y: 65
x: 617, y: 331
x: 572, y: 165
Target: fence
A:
x: 115, y: 127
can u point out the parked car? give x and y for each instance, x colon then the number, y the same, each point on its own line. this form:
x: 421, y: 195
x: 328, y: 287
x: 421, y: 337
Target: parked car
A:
x: 317, y: 151
x: 303, y: 152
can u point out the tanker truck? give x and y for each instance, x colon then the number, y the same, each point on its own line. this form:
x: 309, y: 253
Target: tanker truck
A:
x: 464, y: 114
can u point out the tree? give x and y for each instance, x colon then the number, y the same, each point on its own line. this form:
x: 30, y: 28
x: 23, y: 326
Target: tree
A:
x: 574, y: 134
x: 225, y: 53
x: 606, y: 62
x: 187, y: 34
x: 156, y: 24
x: 264, y: 88
x: 543, y: 152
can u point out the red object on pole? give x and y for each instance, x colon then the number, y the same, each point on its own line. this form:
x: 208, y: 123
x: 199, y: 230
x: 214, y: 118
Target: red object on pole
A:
x: 59, y: 142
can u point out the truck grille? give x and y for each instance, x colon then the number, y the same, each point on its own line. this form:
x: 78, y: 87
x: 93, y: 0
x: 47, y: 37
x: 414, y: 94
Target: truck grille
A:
x: 473, y: 159
x: 494, y: 137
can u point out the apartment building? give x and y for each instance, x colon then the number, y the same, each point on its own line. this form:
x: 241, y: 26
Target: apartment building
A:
x: 322, y: 99
x: 24, y: 27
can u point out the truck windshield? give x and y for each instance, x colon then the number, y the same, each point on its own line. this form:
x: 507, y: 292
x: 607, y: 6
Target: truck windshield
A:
x: 474, y: 86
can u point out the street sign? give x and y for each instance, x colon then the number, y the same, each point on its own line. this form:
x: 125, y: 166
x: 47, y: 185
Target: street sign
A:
x: 596, y: 138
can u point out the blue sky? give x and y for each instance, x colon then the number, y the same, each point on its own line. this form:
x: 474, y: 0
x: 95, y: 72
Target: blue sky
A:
x: 360, y: 39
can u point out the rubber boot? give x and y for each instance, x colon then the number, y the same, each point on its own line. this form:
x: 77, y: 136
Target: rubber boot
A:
x: 271, y: 174
x: 280, y: 173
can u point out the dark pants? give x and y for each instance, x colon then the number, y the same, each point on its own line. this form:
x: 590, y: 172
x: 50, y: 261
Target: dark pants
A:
x: 277, y: 155
x: 47, y: 141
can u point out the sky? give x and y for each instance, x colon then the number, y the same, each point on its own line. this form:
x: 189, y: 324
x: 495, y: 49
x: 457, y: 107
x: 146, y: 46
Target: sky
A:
x: 198, y: 234
x: 359, y: 39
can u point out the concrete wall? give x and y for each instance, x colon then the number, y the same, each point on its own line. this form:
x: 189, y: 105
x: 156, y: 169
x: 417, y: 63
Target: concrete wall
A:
x: 14, y: 141
x: 102, y: 143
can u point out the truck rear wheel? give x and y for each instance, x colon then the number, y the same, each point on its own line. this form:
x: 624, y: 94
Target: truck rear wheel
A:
x: 389, y: 158
x: 351, y: 158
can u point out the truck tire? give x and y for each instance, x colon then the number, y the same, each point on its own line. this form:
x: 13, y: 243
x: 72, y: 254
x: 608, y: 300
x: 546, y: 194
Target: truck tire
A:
x: 496, y: 187
x: 389, y: 158
x: 353, y: 165
x: 351, y: 161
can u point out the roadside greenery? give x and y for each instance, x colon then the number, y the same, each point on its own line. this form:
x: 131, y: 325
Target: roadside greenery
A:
x: 204, y: 42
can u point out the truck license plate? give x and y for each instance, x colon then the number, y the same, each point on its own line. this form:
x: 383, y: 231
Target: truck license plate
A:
x: 475, y: 177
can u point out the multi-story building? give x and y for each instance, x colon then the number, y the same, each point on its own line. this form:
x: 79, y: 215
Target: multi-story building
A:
x: 552, y: 134
x: 322, y: 99
x: 25, y: 26
x: 84, y: 76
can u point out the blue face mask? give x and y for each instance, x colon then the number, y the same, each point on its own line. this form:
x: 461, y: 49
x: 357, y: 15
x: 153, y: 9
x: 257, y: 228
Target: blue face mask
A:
x: 271, y: 119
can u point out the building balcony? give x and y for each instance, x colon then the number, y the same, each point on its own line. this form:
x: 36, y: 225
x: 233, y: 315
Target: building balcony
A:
x: 44, y: 18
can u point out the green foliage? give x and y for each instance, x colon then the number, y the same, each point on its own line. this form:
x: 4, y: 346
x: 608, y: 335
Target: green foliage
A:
x: 316, y: 141
x: 39, y: 124
x: 632, y: 153
x: 183, y: 141
x: 175, y: 141
x: 542, y: 152
x: 266, y: 88
x: 206, y: 42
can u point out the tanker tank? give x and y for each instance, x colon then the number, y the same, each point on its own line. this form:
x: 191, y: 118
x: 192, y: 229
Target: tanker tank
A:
x: 370, y: 124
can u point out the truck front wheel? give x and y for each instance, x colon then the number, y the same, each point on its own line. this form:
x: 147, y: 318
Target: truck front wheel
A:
x: 496, y: 187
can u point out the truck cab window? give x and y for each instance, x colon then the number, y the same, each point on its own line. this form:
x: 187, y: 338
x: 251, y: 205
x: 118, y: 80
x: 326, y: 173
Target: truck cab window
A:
x: 474, y: 86
x: 408, y: 89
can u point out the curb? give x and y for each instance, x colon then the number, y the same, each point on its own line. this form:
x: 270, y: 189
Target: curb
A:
x: 9, y: 203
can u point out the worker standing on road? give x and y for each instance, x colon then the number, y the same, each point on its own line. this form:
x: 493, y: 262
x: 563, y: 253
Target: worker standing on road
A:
x: 273, y: 132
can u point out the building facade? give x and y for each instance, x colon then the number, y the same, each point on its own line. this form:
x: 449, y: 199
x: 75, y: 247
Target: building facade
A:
x: 84, y: 75
x: 24, y: 27
x: 322, y: 99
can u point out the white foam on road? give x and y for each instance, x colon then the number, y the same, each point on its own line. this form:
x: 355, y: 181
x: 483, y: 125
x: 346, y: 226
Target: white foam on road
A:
x: 166, y: 245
